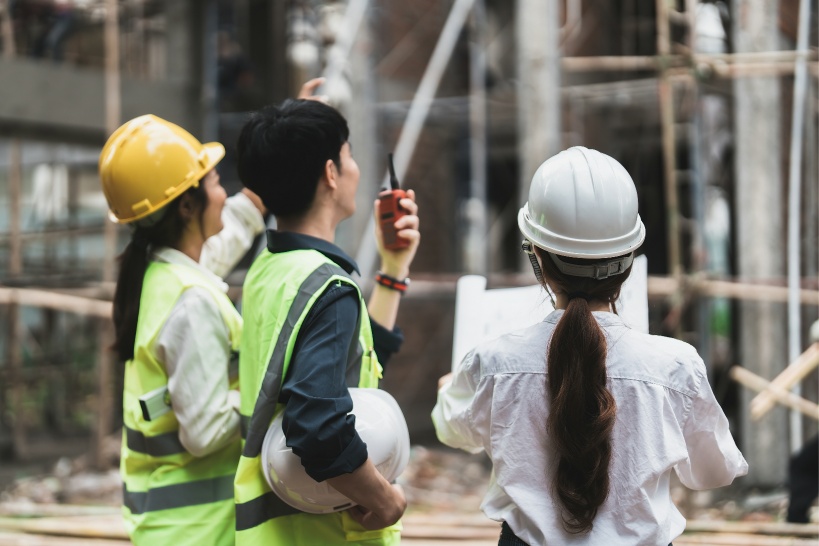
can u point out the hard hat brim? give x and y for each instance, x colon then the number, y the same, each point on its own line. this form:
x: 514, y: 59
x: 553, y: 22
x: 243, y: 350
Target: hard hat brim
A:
x: 577, y: 248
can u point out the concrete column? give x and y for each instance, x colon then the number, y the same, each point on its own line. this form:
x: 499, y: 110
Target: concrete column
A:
x: 760, y: 242
x: 538, y: 64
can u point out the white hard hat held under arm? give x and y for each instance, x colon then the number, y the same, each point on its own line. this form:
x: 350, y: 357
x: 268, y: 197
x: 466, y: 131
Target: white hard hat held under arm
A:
x: 380, y: 424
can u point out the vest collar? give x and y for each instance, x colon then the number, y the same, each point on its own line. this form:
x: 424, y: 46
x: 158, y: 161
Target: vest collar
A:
x: 285, y: 241
x: 173, y: 256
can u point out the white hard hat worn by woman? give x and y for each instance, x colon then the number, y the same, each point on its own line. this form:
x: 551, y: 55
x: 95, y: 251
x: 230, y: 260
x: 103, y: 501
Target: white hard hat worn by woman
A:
x: 583, y: 441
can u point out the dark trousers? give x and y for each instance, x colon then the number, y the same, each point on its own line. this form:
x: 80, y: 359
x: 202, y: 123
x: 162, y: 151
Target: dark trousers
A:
x: 803, y: 481
x: 509, y: 538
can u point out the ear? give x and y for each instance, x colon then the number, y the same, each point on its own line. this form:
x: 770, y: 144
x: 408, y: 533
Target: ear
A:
x: 330, y: 174
x: 187, y: 208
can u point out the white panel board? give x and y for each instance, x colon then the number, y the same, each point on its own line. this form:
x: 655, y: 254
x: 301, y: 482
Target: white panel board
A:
x: 482, y: 314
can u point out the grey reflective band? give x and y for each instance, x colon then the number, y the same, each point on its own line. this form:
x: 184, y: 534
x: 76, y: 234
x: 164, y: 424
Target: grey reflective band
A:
x: 244, y: 423
x: 354, y: 356
x: 599, y: 270
x: 156, y: 446
x: 179, y: 495
x: 255, y: 512
x: 272, y: 382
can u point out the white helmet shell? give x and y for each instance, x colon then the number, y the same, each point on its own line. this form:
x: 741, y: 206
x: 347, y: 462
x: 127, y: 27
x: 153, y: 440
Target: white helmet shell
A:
x: 582, y: 204
x: 380, y: 424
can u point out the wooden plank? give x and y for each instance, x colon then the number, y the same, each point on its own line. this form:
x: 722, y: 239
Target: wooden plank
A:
x: 787, y: 398
x: 96, y: 526
x: 790, y: 376
x: 726, y: 539
x: 26, y: 539
x: 753, y: 527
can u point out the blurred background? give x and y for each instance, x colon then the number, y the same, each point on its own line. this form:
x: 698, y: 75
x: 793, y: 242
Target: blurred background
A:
x: 711, y: 106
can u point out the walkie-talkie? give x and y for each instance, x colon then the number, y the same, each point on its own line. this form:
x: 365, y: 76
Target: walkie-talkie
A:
x: 390, y: 210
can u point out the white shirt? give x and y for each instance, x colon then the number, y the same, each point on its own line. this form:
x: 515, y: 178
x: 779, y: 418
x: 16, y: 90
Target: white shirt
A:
x: 194, y: 341
x: 667, y: 419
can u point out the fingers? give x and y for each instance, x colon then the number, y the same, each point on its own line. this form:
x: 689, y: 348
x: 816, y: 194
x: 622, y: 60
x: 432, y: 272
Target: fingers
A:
x: 444, y: 380
x: 307, y: 90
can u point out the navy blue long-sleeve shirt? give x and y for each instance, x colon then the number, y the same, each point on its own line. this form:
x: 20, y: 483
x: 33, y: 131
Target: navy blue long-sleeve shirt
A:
x: 317, y: 403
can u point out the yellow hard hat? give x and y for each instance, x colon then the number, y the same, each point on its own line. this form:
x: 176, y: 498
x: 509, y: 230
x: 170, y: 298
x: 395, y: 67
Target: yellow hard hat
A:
x: 148, y: 162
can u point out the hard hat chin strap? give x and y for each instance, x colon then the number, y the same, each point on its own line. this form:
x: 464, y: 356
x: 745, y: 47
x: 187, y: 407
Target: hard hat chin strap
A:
x: 528, y: 248
x: 598, y: 271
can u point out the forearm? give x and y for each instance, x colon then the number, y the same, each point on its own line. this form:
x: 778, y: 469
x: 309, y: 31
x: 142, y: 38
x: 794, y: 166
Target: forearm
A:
x: 368, y: 488
x: 383, y: 305
x: 242, y: 221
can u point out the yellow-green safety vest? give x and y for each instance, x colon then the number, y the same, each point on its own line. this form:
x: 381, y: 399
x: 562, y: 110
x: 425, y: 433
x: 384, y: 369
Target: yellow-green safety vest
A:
x: 279, y: 291
x: 170, y: 496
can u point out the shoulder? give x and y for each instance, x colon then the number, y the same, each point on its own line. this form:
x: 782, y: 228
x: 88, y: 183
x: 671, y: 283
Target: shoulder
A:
x: 520, y: 351
x: 666, y: 361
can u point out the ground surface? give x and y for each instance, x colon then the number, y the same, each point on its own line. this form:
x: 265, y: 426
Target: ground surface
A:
x: 443, y: 487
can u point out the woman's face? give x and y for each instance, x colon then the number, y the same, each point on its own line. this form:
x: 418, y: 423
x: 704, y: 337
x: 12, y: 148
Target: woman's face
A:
x: 212, y: 215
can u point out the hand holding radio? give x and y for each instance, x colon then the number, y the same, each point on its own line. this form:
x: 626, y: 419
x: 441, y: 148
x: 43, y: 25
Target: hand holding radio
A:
x: 390, y: 211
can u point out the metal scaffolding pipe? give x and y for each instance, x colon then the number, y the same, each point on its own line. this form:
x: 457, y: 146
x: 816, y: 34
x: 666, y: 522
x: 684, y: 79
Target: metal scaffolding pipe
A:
x: 421, y: 102
x: 800, y: 85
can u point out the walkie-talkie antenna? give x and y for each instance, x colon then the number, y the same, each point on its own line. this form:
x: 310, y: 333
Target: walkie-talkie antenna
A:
x: 393, y: 179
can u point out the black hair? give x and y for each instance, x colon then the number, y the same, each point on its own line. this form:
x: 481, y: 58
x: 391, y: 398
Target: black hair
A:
x: 282, y: 151
x: 134, y: 260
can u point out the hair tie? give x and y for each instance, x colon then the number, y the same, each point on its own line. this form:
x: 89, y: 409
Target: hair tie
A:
x: 584, y: 295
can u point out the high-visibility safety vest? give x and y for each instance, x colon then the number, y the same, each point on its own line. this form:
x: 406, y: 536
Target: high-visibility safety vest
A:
x: 279, y: 291
x: 170, y: 496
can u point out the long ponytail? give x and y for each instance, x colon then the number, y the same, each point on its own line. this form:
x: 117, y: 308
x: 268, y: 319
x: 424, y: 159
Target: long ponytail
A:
x: 163, y: 228
x: 582, y: 409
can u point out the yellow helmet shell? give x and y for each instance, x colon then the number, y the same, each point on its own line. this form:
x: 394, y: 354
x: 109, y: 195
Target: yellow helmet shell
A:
x: 148, y: 162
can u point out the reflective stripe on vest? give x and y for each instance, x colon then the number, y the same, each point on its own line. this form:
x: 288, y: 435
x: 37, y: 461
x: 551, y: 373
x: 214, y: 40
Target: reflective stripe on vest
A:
x: 156, y: 446
x: 268, y: 506
x: 179, y: 495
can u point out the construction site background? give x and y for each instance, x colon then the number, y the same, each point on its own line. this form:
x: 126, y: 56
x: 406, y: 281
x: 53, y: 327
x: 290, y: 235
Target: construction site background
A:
x: 712, y: 107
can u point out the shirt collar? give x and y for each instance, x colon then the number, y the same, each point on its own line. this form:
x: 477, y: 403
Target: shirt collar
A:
x: 285, y: 241
x: 172, y: 256
x: 604, y: 318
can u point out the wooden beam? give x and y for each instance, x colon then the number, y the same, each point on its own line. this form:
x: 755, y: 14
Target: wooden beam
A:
x: 786, y: 398
x: 790, y: 376
x: 53, y: 300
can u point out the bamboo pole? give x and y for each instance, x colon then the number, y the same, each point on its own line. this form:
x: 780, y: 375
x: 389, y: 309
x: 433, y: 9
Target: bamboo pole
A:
x: 792, y: 375
x: 731, y: 63
x: 784, y: 397
x: 666, y: 286
x: 665, y: 93
x: 105, y: 336
x: 47, y: 299
x: 13, y: 350
x: 9, y: 49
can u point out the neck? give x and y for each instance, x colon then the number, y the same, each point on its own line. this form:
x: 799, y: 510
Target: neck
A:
x: 192, y: 249
x: 309, y: 225
x: 562, y: 301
